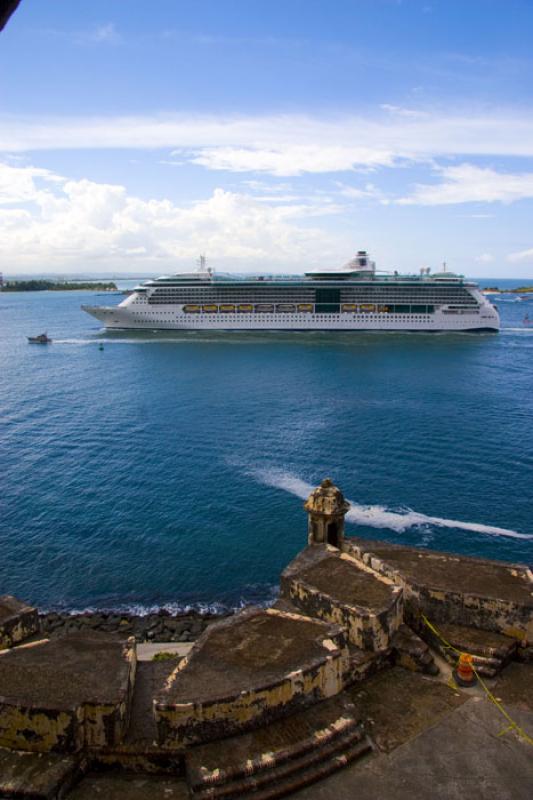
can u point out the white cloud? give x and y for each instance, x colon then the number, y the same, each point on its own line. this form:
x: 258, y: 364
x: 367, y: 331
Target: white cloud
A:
x: 68, y: 223
x: 268, y: 188
x: 521, y: 256
x: 288, y: 144
x: 467, y: 183
x: 17, y: 184
x: 485, y: 258
x: 404, y: 112
x: 369, y: 191
x: 291, y: 159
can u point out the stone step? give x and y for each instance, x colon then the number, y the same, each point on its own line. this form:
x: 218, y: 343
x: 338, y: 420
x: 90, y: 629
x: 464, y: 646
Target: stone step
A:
x: 37, y: 776
x: 141, y: 757
x: 296, y: 775
x: 490, y: 651
x: 362, y: 664
x: 115, y: 785
x: 285, y: 754
x: 411, y: 652
x: 486, y: 667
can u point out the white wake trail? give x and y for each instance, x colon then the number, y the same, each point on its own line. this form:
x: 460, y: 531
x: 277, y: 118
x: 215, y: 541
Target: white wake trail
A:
x: 379, y: 516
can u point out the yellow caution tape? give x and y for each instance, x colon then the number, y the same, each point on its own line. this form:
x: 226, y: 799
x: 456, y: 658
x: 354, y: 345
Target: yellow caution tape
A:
x: 513, y: 725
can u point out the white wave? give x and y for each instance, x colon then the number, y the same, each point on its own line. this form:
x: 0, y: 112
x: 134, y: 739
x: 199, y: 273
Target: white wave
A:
x: 379, y: 516
x: 173, y: 609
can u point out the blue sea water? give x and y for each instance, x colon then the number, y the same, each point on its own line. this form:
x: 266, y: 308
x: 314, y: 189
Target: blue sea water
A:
x: 169, y: 469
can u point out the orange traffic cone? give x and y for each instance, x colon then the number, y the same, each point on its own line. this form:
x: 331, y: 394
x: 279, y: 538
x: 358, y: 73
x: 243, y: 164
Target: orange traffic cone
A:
x: 464, y: 674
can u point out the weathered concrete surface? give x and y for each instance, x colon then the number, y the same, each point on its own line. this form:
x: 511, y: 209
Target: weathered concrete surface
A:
x: 515, y: 687
x: 397, y: 704
x: 18, y: 621
x: 247, y: 670
x: 474, y: 592
x: 66, y: 694
x: 121, y: 786
x: 36, y: 775
x: 326, y: 584
x: 459, y: 756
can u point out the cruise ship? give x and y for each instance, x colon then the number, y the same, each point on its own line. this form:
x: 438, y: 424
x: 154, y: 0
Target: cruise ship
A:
x: 353, y: 298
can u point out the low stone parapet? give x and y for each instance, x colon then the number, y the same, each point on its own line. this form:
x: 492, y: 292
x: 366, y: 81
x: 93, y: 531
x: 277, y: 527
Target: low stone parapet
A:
x: 248, y: 670
x: 18, y: 621
x: 473, y: 592
x: 65, y: 695
x: 326, y: 584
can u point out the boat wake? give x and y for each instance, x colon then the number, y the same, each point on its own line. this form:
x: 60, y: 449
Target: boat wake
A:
x: 379, y: 516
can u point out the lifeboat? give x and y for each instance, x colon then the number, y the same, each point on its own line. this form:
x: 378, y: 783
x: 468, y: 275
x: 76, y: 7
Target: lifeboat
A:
x: 264, y: 308
x: 305, y: 307
x: 368, y: 307
x: 286, y: 308
x: 347, y: 307
x: 227, y: 308
x: 210, y: 309
x: 192, y: 309
x: 245, y: 308
x: 383, y: 309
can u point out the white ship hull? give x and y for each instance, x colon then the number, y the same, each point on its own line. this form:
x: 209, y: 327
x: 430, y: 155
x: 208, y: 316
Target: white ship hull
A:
x: 167, y: 317
x: 354, y: 298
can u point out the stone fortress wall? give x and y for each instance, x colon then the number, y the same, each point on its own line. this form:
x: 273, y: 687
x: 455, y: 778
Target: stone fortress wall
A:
x: 260, y: 701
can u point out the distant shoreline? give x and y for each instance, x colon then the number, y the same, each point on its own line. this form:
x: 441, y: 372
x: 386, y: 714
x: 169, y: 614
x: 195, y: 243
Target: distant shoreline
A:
x: 58, y: 286
x: 516, y: 290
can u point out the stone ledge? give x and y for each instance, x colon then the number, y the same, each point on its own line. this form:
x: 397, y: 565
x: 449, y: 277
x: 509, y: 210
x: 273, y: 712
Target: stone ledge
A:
x: 37, y: 776
x: 66, y: 694
x: 478, y: 593
x: 248, y: 670
x: 324, y: 583
x: 18, y: 621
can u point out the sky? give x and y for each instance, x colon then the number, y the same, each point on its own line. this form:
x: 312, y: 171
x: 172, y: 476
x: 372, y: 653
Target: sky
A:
x: 269, y: 135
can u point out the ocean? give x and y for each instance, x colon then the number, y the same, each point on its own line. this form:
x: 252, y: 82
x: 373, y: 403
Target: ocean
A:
x: 169, y: 470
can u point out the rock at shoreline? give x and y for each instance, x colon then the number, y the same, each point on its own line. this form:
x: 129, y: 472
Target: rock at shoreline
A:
x: 158, y: 627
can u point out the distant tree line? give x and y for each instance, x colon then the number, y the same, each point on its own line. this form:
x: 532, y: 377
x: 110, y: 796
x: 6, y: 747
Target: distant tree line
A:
x: 56, y: 286
x: 517, y: 290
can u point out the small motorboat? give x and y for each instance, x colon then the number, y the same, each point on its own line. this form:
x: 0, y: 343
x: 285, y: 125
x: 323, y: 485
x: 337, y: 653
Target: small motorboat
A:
x: 43, y: 338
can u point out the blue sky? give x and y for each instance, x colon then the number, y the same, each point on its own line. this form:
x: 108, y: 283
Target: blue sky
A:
x: 274, y: 135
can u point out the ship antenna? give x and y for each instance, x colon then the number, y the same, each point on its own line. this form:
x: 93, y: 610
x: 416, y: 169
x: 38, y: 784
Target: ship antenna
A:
x: 202, y: 261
